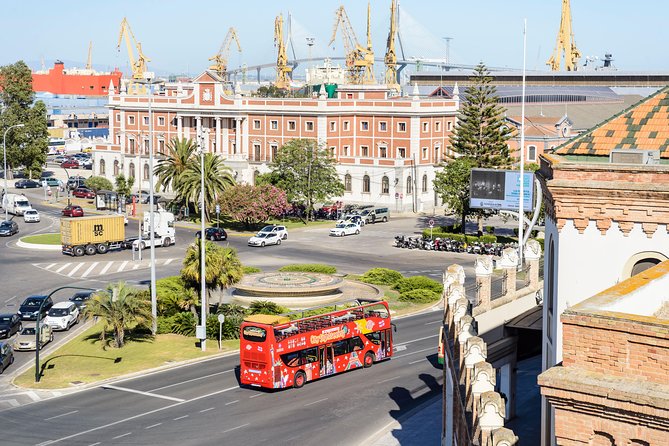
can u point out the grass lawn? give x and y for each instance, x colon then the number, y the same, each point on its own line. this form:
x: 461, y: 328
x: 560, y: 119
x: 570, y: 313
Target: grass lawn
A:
x: 83, y: 360
x: 43, y: 239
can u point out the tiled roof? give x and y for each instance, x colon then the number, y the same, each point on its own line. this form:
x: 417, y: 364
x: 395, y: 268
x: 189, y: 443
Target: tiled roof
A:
x: 642, y: 126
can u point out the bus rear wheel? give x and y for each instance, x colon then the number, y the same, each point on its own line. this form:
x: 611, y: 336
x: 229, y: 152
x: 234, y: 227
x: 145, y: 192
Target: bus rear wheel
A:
x: 300, y: 379
x: 369, y: 359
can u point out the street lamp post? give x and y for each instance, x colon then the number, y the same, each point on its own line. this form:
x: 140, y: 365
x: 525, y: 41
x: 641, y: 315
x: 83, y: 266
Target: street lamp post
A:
x: 203, y: 282
x: 4, y: 150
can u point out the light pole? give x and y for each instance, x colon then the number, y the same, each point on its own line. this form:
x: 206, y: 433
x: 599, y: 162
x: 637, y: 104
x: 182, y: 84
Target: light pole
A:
x: 4, y: 150
x: 203, y: 282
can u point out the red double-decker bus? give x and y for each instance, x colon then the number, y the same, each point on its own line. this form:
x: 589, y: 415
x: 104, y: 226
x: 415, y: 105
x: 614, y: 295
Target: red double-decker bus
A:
x: 277, y: 352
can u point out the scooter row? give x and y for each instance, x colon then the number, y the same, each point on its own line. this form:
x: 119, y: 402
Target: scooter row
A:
x: 450, y: 245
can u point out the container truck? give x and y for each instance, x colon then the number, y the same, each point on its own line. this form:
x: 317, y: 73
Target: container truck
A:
x: 163, y: 230
x: 92, y: 235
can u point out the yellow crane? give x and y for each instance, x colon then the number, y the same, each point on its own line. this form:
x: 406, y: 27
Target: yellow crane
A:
x: 89, y: 63
x: 138, y: 66
x: 565, y: 43
x: 359, y: 60
x: 282, y: 68
x: 391, y: 57
x: 220, y: 60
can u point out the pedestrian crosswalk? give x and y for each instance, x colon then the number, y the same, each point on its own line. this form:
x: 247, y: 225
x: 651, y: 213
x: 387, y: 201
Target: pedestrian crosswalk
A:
x: 83, y: 270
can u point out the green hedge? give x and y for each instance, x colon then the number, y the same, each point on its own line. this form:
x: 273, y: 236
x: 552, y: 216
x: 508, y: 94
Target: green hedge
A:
x: 250, y: 270
x: 266, y: 307
x: 417, y: 283
x: 488, y: 238
x: 381, y: 276
x: 309, y: 268
x: 421, y: 296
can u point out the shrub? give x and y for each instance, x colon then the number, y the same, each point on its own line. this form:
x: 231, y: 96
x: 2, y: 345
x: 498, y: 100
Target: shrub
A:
x: 417, y: 283
x: 488, y: 239
x: 170, y: 293
x: 381, y: 276
x: 490, y: 229
x: 229, y: 330
x: 421, y: 296
x: 164, y: 324
x: 460, y: 237
x: 251, y: 270
x: 309, y: 268
x: 183, y: 323
x: 266, y: 307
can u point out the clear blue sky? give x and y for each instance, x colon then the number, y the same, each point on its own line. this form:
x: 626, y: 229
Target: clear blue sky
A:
x: 179, y: 36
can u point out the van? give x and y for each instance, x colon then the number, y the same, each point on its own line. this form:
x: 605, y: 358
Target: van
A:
x: 15, y: 204
x: 376, y: 214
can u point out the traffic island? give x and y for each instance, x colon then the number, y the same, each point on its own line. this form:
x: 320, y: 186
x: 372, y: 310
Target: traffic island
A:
x: 43, y: 242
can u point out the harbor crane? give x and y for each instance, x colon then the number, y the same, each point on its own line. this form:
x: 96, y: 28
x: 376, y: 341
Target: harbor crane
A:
x: 359, y: 60
x: 138, y: 66
x: 220, y: 60
x: 390, y: 58
x: 565, y: 43
x: 283, y: 70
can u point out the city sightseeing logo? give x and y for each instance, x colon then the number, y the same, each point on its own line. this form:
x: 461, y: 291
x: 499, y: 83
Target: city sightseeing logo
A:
x: 329, y: 335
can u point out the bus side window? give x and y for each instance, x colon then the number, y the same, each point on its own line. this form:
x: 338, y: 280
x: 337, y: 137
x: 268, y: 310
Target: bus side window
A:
x: 340, y: 347
x: 356, y: 344
x: 374, y: 337
x: 310, y: 355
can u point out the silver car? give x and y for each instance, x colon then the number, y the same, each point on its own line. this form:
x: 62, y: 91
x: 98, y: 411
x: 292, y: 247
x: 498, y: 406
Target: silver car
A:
x: 31, y: 216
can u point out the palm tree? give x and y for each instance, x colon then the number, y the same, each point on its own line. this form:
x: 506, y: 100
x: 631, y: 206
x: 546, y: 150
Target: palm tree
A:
x: 180, y: 152
x: 222, y: 267
x: 119, y: 307
x: 217, y: 178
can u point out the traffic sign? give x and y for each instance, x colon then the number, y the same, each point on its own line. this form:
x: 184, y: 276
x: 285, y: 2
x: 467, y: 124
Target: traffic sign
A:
x: 431, y: 223
x: 218, y: 208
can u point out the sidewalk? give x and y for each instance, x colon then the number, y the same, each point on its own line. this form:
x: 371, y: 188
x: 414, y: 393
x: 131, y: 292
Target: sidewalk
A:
x: 422, y: 426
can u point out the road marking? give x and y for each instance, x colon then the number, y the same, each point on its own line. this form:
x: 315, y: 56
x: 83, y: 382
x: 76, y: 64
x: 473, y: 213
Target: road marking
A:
x: 400, y: 348
x: 127, y: 433
x: 137, y: 267
x: 61, y: 415
x: 139, y: 392
x: 257, y: 395
x: 107, y: 266
x: 191, y: 380
x: 207, y: 410
x: 95, y: 444
x: 420, y: 360
x: 434, y: 322
x: 232, y: 402
x: 49, y: 266
x: 90, y: 268
x: 76, y: 268
x: 389, y: 379
x: 183, y: 416
x: 120, y: 268
x: 235, y: 428
x: 45, y: 443
x: 153, y: 425
x: 419, y: 339
x: 417, y: 351
x: 63, y: 267
x: 168, y: 261
x: 11, y: 298
x: 314, y: 402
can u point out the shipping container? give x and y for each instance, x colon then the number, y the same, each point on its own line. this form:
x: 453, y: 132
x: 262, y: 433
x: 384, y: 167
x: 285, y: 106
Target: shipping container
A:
x: 91, y: 235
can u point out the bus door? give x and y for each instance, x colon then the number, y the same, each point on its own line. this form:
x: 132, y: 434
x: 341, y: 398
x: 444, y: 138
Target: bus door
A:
x: 386, y: 343
x: 326, y: 359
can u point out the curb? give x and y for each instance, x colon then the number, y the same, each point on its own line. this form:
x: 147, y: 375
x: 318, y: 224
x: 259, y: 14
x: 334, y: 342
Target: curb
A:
x: 37, y: 246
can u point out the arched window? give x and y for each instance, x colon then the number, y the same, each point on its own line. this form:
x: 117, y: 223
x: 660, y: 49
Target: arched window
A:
x: 424, y: 183
x: 643, y: 265
x: 146, y: 172
x: 116, y: 168
x: 409, y: 185
x: 365, y: 184
x: 102, y: 167
x: 531, y: 153
x: 640, y: 262
x: 131, y: 170
x: 385, y: 185
x: 347, y: 183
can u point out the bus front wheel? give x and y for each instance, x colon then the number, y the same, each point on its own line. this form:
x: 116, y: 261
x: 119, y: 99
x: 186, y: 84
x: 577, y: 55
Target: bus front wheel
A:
x: 369, y: 359
x: 300, y: 379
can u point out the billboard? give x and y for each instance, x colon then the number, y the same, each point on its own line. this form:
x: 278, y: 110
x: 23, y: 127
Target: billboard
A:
x: 500, y: 189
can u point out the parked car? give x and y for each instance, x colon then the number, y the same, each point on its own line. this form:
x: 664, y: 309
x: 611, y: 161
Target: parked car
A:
x: 87, y: 164
x: 30, y: 307
x: 70, y: 164
x: 31, y: 216
x: 75, y: 182
x: 6, y: 356
x: 54, y: 182
x: 275, y: 229
x: 27, y: 184
x: 343, y: 229
x: 26, y: 339
x: 62, y: 316
x: 80, y: 298
x: 59, y: 159
x: 8, y: 227
x: 10, y: 324
x: 352, y: 218
x: 265, y: 238
x: 72, y: 211
x: 83, y: 192
x: 216, y: 234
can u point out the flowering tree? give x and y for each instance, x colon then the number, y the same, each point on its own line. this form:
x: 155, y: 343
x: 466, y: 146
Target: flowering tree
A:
x: 251, y: 205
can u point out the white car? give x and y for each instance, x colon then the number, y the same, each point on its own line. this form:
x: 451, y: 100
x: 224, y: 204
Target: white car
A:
x: 265, y: 238
x: 62, y: 316
x: 31, y: 216
x: 275, y: 229
x: 352, y: 218
x: 343, y: 229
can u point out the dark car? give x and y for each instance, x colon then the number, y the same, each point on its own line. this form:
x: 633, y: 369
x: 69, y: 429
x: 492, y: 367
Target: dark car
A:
x: 8, y: 227
x: 72, y: 211
x: 30, y: 307
x: 71, y: 164
x: 9, y: 324
x: 83, y: 192
x: 6, y: 356
x: 81, y: 297
x: 27, y: 184
x: 216, y: 234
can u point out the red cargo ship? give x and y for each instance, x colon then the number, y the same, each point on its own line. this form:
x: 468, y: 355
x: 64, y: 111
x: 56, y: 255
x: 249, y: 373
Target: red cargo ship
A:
x: 79, y: 82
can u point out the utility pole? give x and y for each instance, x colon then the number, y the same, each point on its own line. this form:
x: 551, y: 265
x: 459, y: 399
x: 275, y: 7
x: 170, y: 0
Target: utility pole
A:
x: 203, y: 275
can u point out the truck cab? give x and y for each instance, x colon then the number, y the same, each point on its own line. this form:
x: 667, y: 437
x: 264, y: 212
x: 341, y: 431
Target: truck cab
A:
x: 163, y: 230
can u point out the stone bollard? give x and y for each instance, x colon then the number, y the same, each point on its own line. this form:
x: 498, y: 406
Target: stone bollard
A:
x: 466, y: 331
x: 483, y: 268
x: 509, y: 263
x: 503, y: 437
x: 532, y: 257
x: 491, y: 416
x: 483, y: 381
x: 475, y: 351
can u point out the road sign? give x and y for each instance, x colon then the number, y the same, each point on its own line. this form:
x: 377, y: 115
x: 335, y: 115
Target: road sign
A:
x: 431, y: 223
x: 221, y: 318
x: 218, y: 208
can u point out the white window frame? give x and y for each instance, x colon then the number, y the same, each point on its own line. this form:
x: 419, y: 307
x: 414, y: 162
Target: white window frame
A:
x: 449, y: 125
x: 364, y: 150
x: 347, y: 125
x: 364, y: 126
x: 256, y: 124
x: 528, y: 152
x: 402, y: 127
x: 291, y: 126
x: 146, y: 120
x: 383, y: 126
x: 131, y: 120
x: 426, y: 127
x: 346, y: 150
x: 161, y: 121
x: 274, y: 124
x: 333, y: 126
x: 383, y: 151
x: 400, y: 154
x: 424, y: 153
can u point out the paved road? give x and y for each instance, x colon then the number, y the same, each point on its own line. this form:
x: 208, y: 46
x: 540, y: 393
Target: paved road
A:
x: 202, y: 404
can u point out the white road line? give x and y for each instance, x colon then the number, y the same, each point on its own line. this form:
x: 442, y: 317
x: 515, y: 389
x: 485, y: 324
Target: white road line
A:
x: 385, y: 380
x: 313, y: 402
x: 235, y: 428
x: 232, y: 402
x: 139, y: 392
x: 183, y: 416
x: 153, y: 425
x: 168, y: 261
x: 420, y: 360
x: 419, y: 339
x: 127, y: 433
x: 45, y: 443
x: 122, y: 267
x: 61, y: 415
x: 49, y: 266
x: 191, y: 380
x: 63, y: 267
x: 95, y: 444
x: 137, y: 267
x: 90, y: 268
x: 417, y: 351
x: 434, y: 322
x: 207, y: 410
x: 76, y: 268
x: 256, y: 395
x: 107, y: 266
x: 11, y: 298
